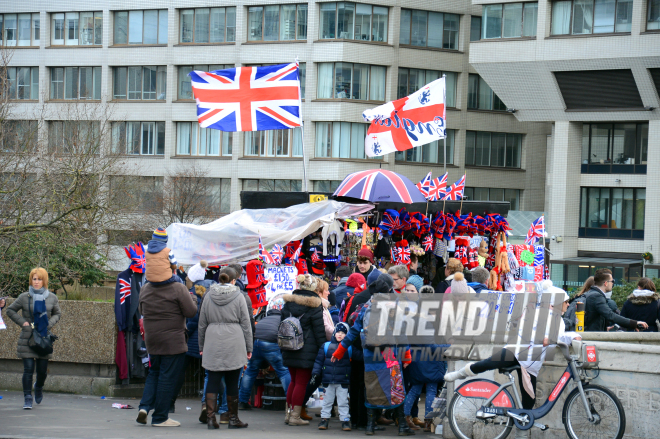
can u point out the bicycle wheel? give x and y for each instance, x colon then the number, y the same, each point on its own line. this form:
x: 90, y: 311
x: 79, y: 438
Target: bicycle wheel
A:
x: 463, y: 420
x: 609, y: 417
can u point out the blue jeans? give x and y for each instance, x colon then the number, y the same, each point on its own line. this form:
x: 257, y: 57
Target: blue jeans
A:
x: 415, y: 391
x: 161, y: 384
x: 263, y: 352
x: 221, y: 408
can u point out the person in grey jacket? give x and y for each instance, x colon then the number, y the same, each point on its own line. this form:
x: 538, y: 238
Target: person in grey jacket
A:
x: 25, y: 303
x: 225, y: 340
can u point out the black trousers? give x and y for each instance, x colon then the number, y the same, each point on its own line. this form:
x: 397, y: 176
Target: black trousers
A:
x: 29, y: 365
x: 231, y: 382
x: 507, y: 359
x: 356, y: 407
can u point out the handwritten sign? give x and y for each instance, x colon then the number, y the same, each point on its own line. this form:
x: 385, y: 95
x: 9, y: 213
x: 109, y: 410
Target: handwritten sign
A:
x: 281, y: 279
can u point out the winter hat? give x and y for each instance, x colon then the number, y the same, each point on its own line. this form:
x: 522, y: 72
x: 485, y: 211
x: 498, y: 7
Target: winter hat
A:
x: 307, y: 282
x: 356, y: 280
x: 549, y: 288
x: 196, y: 272
x: 459, y: 285
x: 427, y: 289
x: 332, y: 298
x: 341, y: 327
x: 160, y: 234
x: 416, y: 281
x: 367, y: 254
x: 383, y: 284
x: 373, y: 276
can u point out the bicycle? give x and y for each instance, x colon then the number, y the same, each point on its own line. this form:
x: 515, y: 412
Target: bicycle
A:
x: 486, y: 409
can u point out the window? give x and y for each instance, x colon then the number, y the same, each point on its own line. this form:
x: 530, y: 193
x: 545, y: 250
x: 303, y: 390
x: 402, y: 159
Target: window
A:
x: 580, y: 17
x: 430, y: 153
x: 612, y: 212
x: 349, y: 21
x: 23, y: 83
x: 137, y: 194
x: 329, y: 186
x: 272, y: 185
x: 411, y: 80
x: 141, y: 27
x: 501, y: 150
x: 481, y: 97
x: 184, y: 88
x: 74, y: 137
x: 18, y: 136
x: 510, y: 20
x: 193, y: 140
x: 22, y: 30
x: 277, y: 23
x: 146, y: 83
x: 475, y: 28
x: 302, y: 73
x: 75, y: 83
x: 341, y: 140
x: 207, y: 25
x: 615, y: 148
x: 274, y: 143
x: 429, y: 29
x: 653, y: 22
x: 76, y: 29
x: 494, y: 194
x: 139, y: 138
x: 351, y: 81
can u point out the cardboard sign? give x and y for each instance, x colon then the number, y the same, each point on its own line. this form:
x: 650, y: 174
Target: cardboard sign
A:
x: 281, y: 279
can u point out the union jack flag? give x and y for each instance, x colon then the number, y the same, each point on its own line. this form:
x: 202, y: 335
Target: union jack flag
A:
x: 428, y: 242
x: 437, y: 189
x: 248, y: 98
x: 264, y: 255
x: 277, y: 254
x: 537, y: 230
x: 296, y: 254
x: 394, y: 254
x: 124, y: 290
x: 424, y: 186
x: 404, y: 255
x: 455, y: 191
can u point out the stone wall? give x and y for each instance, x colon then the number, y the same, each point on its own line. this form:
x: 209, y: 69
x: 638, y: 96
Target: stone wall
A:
x: 629, y: 365
x: 83, y: 357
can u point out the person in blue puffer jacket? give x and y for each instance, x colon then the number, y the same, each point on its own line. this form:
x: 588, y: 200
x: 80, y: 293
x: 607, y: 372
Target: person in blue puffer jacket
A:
x: 335, y: 377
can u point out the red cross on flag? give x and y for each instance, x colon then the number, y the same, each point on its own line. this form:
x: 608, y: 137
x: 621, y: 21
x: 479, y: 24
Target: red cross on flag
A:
x: 412, y: 121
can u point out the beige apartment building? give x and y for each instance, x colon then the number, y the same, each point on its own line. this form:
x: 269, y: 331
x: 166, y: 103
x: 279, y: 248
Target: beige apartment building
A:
x: 353, y: 56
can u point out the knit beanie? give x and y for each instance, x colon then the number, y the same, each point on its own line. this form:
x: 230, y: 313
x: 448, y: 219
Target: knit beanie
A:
x: 416, y: 281
x: 367, y: 254
x: 307, y: 282
x: 373, y: 276
x: 383, y: 284
x: 341, y: 327
x: 459, y: 284
x: 427, y: 289
x: 160, y: 234
x: 356, y: 280
x: 196, y: 272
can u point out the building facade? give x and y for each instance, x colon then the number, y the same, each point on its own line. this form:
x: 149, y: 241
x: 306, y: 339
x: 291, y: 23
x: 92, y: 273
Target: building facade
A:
x: 353, y: 56
x: 593, y: 70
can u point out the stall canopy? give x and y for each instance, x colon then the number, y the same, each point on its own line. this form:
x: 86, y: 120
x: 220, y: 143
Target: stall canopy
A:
x: 235, y: 237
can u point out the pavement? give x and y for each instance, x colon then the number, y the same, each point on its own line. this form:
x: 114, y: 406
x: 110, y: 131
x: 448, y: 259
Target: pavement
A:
x: 79, y: 416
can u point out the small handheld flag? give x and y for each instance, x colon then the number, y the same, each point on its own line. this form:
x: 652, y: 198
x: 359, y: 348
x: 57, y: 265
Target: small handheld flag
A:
x: 537, y: 230
x: 438, y: 188
x: 455, y: 191
x: 424, y: 186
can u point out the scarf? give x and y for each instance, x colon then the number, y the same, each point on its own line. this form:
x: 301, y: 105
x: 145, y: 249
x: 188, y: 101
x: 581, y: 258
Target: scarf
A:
x: 39, y: 313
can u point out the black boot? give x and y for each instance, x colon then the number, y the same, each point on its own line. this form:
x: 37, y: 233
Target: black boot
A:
x: 38, y: 394
x: 404, y: 430
x: 371, y: 422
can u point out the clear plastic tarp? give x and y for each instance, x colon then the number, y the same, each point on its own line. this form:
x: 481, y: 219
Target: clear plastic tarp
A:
x: 235, y: 237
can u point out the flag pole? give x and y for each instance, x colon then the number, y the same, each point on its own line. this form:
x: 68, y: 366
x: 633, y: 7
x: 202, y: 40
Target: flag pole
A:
x: 444, y: 140
x: 302, y: 130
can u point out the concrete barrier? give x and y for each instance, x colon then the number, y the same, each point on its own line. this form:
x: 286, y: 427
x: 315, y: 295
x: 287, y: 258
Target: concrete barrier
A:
x: 629, y: 366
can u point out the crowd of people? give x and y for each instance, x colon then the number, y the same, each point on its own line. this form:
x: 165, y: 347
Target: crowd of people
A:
x: 188, y: 315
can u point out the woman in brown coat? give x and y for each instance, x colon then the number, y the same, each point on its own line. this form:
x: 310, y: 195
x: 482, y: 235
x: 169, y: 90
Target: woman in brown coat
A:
x: 25, y: 303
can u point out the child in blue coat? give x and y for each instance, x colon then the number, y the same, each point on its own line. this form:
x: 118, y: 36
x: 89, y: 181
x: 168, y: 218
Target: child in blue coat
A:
x: 335, y: 377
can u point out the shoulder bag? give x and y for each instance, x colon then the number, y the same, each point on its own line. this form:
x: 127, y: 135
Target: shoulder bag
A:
x: 42, y: 346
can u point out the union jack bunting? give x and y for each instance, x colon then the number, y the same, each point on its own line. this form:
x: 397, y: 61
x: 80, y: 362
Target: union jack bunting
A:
x: 428, y: 242
x: 455, y: 191
x: 264, y: 255
x: 537, y: 230
x: 424, y: 186
x: 248, y: 98
x: 277, y: 254
x: 124, y: 290
x: 438, y: 188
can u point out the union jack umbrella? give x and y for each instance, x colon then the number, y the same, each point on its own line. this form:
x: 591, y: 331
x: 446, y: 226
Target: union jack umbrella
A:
x: 428, y: 242
x: 438, y: 188
x: 124, y: 290
x: 277, y: 254
x: 455, y: 192
x: 248, y: 98
x: 264, y: 255
x: 380, y: 185
x: 424, y: 186
x: 537, y: 230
